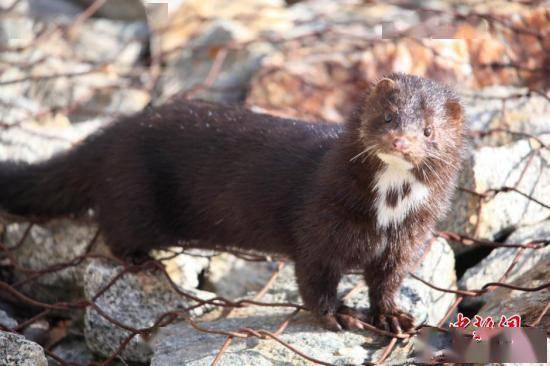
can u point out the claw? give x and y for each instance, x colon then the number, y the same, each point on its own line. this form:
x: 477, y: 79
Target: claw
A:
x: 395, y: 321
x: 349, y: 322
x: 330, y: 321
x: 345, y: 318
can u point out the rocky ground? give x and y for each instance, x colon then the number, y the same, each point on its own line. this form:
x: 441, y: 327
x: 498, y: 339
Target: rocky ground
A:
x: 68, y: 67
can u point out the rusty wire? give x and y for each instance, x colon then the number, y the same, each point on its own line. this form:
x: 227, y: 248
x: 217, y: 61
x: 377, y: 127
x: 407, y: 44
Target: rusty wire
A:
x: 12, y: 289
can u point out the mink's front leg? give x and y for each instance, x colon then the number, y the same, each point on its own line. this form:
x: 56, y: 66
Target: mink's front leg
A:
x: 318, y: 284
x: 383, y: 283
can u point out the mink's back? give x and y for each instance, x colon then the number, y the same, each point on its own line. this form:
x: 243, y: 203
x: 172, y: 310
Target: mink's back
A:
x: 196, y: 170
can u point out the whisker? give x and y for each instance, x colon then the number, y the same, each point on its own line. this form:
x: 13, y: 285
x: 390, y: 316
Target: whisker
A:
x: 367, y: 150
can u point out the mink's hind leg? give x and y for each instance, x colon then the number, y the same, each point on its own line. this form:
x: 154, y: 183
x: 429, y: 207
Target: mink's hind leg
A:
x: 318, y: 285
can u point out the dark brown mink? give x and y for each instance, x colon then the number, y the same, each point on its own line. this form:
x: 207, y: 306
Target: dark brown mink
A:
x: 363, y: 195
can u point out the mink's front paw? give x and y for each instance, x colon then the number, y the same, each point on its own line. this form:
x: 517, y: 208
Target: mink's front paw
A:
x: 344, y: 318
x: 394, y: 320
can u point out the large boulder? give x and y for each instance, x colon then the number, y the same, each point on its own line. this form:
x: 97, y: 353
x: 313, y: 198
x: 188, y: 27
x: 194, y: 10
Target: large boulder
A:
x: 48, y: 246
x: 505, y: 108
x: 493, y: 267
x: 530, y: 305
x: 135, y: 299
x: 521, y: 165
x: 181, y: 343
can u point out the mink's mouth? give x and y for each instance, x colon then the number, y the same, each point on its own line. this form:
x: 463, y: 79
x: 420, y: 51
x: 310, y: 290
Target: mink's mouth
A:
x: 402, y: 159
x: 396, y: 159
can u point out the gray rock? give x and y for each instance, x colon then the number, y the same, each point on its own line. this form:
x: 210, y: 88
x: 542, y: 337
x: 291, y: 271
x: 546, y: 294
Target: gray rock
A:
x: 38, y: 332
x: 506, y: 210
x: 119, y: 9
x: 195, y: 61
x: 15, y: 350
x: 47, y: 245
x: 6, y: 320
x: 96, y: 42
x: 528, y: 304
x: 73, y: 350
x: 233, y: 277
x: 137, y: 300
x: 493, y: 267
x: 181, y: 343
x: 15, y: 31
x: 63, y: 11
x: 117, y: 42
x: 500, y: 107
x: 111, y: 104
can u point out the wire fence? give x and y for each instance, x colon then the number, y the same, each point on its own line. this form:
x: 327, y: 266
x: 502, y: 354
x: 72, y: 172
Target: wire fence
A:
x: 13, y: 289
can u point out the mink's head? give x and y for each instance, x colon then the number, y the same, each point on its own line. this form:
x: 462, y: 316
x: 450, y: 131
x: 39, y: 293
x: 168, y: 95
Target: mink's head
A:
x: 410, y: 120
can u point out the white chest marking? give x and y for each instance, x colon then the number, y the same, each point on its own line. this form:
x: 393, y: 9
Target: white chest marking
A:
x: 396, y: 177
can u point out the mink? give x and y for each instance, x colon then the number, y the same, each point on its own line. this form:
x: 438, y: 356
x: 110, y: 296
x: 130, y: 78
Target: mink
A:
x: 363, y: 195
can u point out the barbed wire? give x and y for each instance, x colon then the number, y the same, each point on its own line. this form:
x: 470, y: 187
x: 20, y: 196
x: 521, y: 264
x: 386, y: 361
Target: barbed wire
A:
x: 13, y: 291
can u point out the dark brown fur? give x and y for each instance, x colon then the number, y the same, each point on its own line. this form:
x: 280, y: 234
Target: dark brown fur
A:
x: 229, y: 177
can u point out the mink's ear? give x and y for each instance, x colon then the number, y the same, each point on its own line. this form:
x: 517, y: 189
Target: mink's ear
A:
x: 385, y: 91
x: 455, y: 112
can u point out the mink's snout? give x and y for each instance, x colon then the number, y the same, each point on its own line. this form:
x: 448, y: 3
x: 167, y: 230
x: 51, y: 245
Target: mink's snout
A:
x: 401, y: 144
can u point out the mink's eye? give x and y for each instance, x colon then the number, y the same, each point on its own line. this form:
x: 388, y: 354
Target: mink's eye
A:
x: 388, y: 117
x: 427, y: 131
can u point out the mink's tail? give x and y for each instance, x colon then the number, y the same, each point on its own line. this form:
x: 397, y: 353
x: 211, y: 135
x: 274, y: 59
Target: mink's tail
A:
x: 56, y: 187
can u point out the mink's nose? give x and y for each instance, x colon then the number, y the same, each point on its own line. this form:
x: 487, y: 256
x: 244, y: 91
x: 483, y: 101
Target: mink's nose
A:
x: 400, y: 144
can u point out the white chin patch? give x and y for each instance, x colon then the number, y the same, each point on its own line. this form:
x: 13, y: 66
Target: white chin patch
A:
x: 395, y: 161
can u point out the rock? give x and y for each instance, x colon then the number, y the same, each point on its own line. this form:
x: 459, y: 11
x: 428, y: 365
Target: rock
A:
x: 181, y: 343
x: 493, y: 267
x: 120, y: 9
x: 73, y: 350
x: 63, y: 11
x: 48, y: 245
x: 504, y: 107
x: 190, y: 18
x: 111, y: 104
x: 504, y: 211
x: 15, y: 350
x: 195, y: 61
x: 6, y: 321
x: 94, y: 55
x: 15, y: 31
x: 232, y: 277
x: 135, y: 299
x: 528, y: 304
x: 120, y: 43
x: 38, y: 332
x: 186, y: 268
